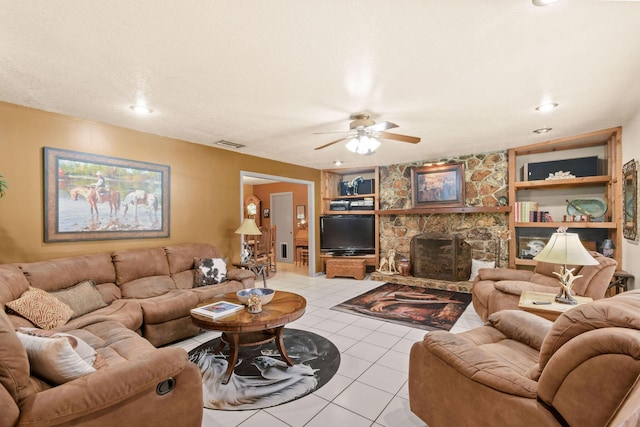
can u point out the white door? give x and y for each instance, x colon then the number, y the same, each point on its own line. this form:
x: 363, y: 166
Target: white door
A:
x: 282, y: 218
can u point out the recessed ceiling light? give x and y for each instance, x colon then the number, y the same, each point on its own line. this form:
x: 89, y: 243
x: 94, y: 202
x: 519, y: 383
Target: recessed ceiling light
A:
x: 141, y: 109
x: 544, y: 108
x: 544, y: 2
x: 541, y: 130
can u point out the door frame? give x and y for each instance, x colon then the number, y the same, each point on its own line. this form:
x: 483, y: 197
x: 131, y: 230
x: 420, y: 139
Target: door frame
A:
x: 311, y: 224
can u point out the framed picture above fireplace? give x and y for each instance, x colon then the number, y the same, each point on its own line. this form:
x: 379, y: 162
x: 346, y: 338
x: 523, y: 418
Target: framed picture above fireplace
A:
x: 438, y: 186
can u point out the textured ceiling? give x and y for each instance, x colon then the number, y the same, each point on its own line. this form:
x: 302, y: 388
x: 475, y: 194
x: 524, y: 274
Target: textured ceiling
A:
x: 463, y: 75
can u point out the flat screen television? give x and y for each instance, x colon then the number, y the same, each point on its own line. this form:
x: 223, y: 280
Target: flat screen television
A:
x: 348, y: 234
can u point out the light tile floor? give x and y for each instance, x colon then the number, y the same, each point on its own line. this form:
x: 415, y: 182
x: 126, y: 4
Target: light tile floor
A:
x: 370, y: 387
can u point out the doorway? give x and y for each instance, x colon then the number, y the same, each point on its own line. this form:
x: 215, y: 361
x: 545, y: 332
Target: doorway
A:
x: 282, y: 218
x: 246, y: 175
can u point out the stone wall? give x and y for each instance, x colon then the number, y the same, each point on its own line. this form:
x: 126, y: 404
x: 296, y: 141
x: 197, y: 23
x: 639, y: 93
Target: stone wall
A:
x: 485, y: 182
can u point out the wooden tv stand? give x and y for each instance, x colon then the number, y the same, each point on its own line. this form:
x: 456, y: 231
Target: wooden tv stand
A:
x: 347, y: 267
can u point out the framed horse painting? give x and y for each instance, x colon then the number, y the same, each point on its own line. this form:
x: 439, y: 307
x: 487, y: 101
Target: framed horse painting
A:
x: 93, y: 197
x: 438, y: 186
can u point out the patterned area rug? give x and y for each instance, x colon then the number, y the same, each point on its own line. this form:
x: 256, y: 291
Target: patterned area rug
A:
x: 261, y: 378
x: 412, y: 306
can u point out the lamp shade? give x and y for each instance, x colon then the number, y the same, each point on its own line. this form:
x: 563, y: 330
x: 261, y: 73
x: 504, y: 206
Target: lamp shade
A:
x: 248, y: 227
x: 565, y: 248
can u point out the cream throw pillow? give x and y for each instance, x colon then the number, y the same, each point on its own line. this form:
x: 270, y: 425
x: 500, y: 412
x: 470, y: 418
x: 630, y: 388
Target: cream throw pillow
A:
x: 41, y: 309
x: 55, y: 356
x: 477, y: 265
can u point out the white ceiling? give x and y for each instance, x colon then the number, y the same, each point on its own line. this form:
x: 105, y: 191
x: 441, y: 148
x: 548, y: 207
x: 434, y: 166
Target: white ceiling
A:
x: 463, y: 75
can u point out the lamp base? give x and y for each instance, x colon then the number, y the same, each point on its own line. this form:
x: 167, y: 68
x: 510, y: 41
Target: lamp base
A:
x: 565, y: 297
x: 246, y: 254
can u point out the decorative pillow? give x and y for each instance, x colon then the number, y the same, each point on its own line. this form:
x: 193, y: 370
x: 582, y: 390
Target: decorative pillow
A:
x: 41, y: 309
x: 55, y: 356
x: 83, y: 298
x: 477, y: 265
x: 210, y: 271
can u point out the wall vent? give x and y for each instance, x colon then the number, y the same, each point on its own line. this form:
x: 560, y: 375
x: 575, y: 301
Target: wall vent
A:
x: 228, y: 144
x: 284, y: 250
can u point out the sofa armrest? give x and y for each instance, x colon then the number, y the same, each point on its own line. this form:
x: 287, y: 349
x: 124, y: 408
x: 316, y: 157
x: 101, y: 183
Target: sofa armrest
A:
x: 114, y: 389
x: 602, y: 363
x: 477, y: 365
x: 521, y: 326
x: 247, y: 277
x: 240, y: 274
x: 516, y: 287
x: 503, y: 274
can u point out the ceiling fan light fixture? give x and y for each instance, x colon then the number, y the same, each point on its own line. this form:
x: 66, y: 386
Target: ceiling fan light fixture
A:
x: 363, y: 145
x: 542, y: 3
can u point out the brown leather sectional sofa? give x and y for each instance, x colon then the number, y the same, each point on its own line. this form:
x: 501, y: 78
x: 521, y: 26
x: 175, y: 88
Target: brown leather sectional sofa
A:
x: 147, y: 295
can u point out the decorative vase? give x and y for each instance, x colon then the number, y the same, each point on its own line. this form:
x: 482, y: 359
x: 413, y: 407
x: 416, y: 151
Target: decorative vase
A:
x: 404, y: 267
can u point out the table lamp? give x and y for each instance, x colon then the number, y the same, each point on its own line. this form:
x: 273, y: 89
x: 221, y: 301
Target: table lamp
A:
x: 249, y: 228
x: 566, y: 249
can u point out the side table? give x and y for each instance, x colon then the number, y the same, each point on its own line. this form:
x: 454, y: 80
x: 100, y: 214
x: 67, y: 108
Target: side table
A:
x: 543, y: 304
x: 259, y: 268
x: 620, y: 281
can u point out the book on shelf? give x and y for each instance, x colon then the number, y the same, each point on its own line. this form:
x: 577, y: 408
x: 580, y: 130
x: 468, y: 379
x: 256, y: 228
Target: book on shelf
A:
x: 218, y: 309
x: 528, y: 211
x: 539, y: 216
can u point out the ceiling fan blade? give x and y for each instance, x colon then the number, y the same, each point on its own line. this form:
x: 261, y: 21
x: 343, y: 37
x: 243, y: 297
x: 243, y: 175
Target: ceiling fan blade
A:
x: 331, y: 143
x: 378, y: 127
x: 397, y: 137
x: 324, y: 133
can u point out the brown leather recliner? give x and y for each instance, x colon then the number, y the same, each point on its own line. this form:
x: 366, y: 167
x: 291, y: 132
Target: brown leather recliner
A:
x: 496, y: 289
x: 522, y: 370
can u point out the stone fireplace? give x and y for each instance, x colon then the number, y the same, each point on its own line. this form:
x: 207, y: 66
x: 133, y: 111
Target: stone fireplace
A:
x: 440, y: 256
x: 485, y: 184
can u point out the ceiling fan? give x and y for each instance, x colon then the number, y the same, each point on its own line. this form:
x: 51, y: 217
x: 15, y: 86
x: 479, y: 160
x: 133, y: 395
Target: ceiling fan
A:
x: 364, y: 134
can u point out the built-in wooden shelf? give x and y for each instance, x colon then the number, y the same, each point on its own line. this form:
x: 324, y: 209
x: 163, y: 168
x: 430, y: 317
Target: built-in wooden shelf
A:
x: 606, y: 144
x: 561, y: 183
x: 357, y: 196
x: 466, y: 209
x: 350, y: 212
x: 523, y: 261
x: 580, y: 224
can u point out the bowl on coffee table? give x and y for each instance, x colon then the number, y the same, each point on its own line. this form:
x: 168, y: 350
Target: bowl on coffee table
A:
x: 265, y: 294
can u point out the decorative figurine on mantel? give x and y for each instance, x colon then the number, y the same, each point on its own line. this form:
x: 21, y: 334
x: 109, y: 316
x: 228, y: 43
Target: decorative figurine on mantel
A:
x: 388, y: 264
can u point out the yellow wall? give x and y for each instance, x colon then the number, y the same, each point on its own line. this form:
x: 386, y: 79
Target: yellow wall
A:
x: 204, y: 189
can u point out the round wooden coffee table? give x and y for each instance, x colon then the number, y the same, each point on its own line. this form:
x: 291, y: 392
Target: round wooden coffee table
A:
x: 243, y: 329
